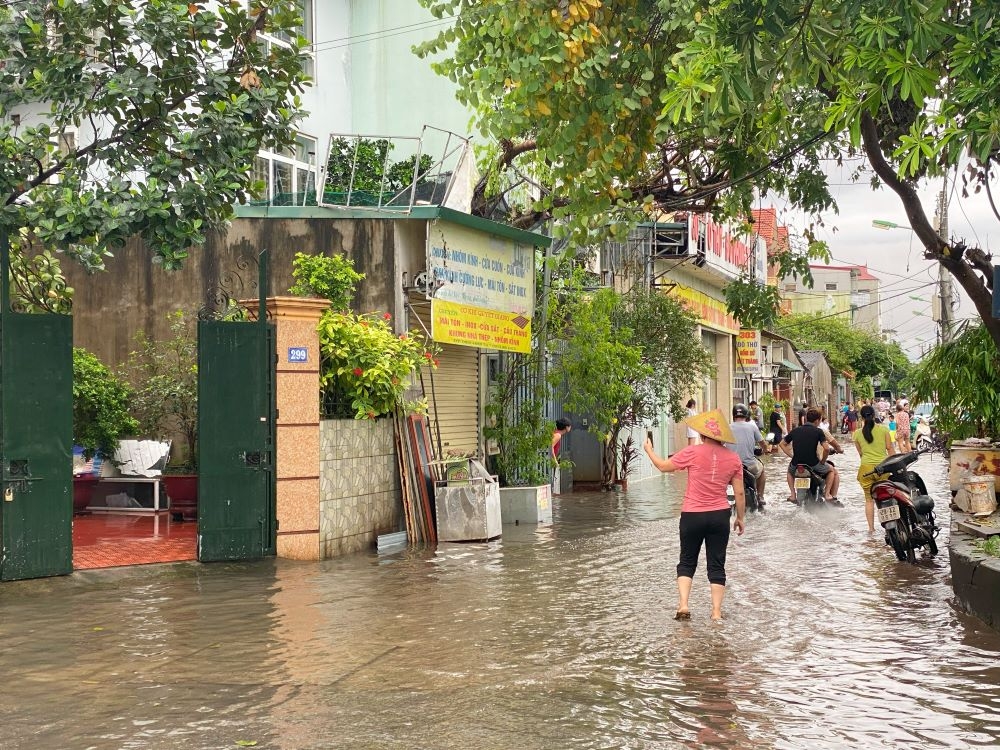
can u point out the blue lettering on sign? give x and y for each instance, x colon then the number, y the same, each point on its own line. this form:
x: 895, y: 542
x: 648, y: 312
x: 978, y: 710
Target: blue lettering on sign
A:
x: 298, y: 354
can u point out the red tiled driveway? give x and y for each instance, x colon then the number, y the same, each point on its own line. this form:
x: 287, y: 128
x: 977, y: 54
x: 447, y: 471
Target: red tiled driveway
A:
x: 106, y: 540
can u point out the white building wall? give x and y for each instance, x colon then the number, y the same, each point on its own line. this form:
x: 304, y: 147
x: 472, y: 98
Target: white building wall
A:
x: 394, y: 91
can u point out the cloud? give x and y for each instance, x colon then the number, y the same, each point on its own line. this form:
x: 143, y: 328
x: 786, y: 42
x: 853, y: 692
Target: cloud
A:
x: 896, y: 255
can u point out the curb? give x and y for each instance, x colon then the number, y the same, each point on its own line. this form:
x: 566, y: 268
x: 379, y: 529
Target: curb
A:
x: 975, y: 578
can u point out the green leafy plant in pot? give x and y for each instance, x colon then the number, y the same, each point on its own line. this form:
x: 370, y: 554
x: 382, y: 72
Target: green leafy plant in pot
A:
x: 100, y: 415
x: 164, y: 378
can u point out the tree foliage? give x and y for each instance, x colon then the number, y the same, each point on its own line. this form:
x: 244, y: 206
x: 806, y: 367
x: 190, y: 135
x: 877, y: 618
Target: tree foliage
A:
x: 626, y: 359
x: 119, y: 119
x: 516, y: 423
x: 858, y: 351
x: 616, y: 107
x: 963, y: 378
x: 363, y: 167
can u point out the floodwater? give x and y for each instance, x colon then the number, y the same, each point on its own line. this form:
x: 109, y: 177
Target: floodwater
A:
x: 555, y: 637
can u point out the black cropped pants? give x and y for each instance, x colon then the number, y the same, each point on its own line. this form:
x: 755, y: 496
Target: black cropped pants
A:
x: 711, y: 528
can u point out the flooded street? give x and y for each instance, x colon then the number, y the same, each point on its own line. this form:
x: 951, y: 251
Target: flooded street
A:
x: 556, y: 637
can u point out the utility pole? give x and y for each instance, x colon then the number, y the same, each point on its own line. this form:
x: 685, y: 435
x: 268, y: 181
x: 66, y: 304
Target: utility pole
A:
x: 944, y: 276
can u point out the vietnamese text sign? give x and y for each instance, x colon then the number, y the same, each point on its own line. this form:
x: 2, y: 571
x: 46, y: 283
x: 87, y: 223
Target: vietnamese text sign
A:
x: 480, y: 269
x: 748, y: 360
x: 710, y: 310
x: 467, y: 325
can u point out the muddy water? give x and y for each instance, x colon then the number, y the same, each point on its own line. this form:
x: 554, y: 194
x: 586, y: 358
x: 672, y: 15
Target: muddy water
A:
x: 558, y: 637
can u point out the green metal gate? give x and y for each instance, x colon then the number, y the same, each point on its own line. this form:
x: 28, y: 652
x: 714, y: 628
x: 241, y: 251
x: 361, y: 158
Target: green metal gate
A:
x: 36, y: 439
x: 236, y: 436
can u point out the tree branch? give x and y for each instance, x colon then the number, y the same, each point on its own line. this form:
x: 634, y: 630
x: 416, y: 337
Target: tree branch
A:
x: 934, y: 246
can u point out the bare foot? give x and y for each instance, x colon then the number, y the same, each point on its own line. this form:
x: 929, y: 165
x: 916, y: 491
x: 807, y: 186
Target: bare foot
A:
x: 682, y: 614
x: 716, y: 617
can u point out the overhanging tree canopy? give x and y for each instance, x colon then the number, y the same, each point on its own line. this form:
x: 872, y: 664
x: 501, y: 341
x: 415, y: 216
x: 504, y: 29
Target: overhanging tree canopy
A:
x: 139, y: 118
x: 618, y: 105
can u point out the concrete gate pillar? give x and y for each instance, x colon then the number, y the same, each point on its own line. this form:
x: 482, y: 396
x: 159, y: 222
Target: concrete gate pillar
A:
x: 297, y: 459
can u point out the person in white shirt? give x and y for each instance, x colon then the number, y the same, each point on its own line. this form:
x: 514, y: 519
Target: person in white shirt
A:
x: 693, y: 437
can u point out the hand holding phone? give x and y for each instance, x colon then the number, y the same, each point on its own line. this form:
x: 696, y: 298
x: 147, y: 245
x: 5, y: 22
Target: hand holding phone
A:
x: 649, y: 437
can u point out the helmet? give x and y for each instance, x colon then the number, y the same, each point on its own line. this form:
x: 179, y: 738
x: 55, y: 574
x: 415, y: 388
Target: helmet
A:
x: 740, y: 410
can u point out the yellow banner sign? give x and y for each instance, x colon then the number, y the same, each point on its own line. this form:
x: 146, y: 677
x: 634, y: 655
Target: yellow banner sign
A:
x: 710, y: 311
x: 466, y: 325
x: 748, y: 358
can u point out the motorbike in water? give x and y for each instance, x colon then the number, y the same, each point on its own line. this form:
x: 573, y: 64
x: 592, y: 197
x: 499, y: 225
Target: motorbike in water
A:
x: 903, y: 506
x: 809, y: 487
x: 749, y: 491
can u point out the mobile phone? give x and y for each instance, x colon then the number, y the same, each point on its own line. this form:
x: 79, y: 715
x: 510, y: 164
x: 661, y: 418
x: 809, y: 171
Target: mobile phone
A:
x: 649, y: 436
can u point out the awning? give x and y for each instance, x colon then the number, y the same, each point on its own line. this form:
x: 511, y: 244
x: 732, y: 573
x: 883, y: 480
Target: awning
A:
x: 790, y: 366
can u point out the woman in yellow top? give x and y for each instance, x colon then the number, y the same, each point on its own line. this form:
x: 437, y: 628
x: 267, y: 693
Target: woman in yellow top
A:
x: 874, y: 445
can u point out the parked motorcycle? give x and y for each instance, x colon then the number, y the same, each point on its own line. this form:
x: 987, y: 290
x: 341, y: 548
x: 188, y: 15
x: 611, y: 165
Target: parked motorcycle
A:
x: 926, y: 436
x: 903, y: 506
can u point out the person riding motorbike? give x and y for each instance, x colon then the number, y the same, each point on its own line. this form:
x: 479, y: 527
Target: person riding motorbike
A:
x: 834, y: 479
x: 803, y: 446
x: 748, y: 440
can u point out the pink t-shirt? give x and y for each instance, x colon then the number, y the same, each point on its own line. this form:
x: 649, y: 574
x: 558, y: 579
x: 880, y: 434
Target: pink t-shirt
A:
x: 711, y: 467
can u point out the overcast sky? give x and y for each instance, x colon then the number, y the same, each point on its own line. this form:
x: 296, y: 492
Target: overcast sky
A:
x: 895, y: 255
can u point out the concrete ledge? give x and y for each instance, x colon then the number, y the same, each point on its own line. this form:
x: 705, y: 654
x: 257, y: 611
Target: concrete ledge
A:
x: 975, y: 578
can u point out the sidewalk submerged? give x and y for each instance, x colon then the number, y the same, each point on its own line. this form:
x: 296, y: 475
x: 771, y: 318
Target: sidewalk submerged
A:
x: 551, y: 637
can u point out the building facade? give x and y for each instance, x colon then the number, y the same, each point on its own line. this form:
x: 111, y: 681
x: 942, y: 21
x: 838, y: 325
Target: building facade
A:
x: 848, y: 291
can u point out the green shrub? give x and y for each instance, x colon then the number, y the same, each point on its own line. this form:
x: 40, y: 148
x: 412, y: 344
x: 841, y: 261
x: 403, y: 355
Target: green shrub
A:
x: 164, y: 378
x: 100, y: 406
x: 332, y: 278
x: 366, y: 367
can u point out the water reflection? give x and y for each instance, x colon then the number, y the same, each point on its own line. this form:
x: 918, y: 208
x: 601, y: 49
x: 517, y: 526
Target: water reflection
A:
x: 551, y: 637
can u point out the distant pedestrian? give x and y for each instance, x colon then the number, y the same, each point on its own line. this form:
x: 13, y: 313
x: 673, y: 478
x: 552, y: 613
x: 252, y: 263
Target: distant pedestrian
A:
x: 776, y: 424
x: 757, y: 414
x: 692, y: 435
x: 563, y: 427
x: 852, y: 418
x: 705, y: 511
x: 802, y: 414
x: 903, y: 427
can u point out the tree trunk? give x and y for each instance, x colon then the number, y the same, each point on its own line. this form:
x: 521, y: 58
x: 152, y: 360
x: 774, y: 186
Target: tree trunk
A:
x: 609, y: 463
x: 935, y: 248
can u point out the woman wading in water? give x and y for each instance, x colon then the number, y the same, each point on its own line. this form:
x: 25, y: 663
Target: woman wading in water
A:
x: 705, y: 513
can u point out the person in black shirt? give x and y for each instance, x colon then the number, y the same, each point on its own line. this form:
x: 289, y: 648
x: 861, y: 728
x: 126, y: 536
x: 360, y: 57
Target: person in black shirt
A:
x: 803, y: 445
x: 803, y: 419
x: 776, y: 425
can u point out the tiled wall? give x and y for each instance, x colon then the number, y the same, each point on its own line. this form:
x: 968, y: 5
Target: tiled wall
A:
x: 359, y: 485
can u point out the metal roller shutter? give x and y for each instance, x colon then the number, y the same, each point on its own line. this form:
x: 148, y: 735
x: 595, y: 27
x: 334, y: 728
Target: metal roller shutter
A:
x: 454, y: 399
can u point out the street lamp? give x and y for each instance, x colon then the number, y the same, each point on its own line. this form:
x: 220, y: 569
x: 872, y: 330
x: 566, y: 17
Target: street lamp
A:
x: 883, y: 224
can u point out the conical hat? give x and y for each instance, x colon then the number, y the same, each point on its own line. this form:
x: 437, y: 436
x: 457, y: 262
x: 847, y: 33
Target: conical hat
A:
x: 712, y: 424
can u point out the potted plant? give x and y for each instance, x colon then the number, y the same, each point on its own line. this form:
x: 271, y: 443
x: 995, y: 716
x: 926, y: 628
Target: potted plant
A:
x: 100, y: 417
x: 164, y: 379
x: 626, y: 464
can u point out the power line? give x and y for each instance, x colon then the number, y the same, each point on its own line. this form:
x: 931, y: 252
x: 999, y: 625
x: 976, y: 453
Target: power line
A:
x: 859, y: 307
